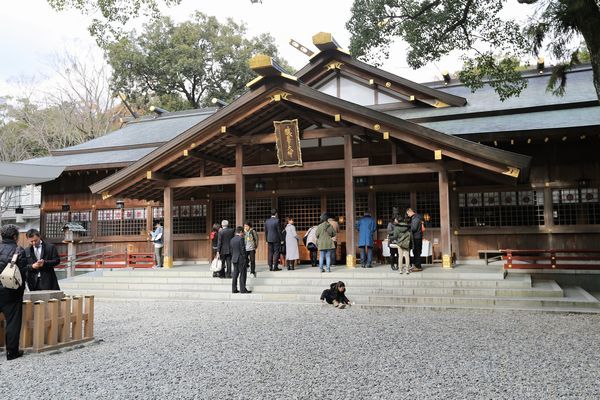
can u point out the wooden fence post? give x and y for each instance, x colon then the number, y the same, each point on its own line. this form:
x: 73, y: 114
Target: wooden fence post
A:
x: 39, y: 322
x: 26, y: 330
x: 88, y: 325
x: 53, y: 328
x: 65, y: 316
x: 78, y: 311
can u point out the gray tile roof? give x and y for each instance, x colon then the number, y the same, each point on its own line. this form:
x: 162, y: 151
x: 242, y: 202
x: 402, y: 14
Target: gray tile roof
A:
x: 579, y: 89
x: 578, y: 117
x: 100, y: 157
x: 148, y: 130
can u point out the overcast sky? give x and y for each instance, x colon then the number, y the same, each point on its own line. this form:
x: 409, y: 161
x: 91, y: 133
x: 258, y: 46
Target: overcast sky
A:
x: 32, y: 33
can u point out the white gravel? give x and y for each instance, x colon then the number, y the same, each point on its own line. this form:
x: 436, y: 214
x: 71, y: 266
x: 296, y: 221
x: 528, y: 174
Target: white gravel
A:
x: 185, y: 350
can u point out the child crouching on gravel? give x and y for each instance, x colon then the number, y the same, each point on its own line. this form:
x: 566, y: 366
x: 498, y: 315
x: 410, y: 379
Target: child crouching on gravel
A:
x: 336, y: 295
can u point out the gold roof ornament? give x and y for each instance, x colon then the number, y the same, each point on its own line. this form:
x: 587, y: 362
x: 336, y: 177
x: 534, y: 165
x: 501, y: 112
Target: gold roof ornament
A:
x: 264, y: 66
x: 512, y: 171
x: 325, y: 41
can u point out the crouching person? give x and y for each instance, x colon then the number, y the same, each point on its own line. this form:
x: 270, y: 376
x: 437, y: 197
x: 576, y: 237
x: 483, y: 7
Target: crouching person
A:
x: 11, y: 300
x: 336, y: 295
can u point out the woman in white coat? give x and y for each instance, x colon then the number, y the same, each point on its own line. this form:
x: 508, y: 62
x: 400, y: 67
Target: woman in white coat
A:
x: 292, y: 253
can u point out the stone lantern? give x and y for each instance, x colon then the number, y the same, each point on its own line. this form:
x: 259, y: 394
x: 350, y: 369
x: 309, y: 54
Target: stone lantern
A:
x: 73, y: 233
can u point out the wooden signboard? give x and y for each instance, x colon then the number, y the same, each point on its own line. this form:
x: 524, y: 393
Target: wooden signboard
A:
x: 287, y: 141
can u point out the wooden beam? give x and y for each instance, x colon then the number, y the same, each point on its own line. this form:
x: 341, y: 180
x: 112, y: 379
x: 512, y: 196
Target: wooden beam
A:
x: 168, y: 227
x: 203, y: 181
x: 240, y: 189
x: 267, y: 138
x: 349, y: 201
x: 444, y: 192
x: 307, y: 166
x: 201, y: 156
x: 396, y: 169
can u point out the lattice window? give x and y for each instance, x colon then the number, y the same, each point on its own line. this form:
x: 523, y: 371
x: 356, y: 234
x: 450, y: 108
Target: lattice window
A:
x: 83, y: 218
x: 224, y: 209
x: 53, y: 223
x: 428, y: 204
x: 575, y: 206
x: 121, y: 222
x: 305, y: 211
x: 187, y: 219
x: 336, y: 208
x: 361, y: 204
x: 522, y: 208
x: 257, y: 212
x: 387, y: 202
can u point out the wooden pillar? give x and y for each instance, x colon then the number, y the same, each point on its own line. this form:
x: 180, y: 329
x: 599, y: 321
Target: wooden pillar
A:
x: 454, y: 221
x: 168, y: 228
x: 445, y: 229
x: 394, y: 153
x: 349, y: 199
x: 52, y: 333
x: 78, y: 318
x: 549, y: 215
x: 240, y: 187
x: 26, y: 330
x: 65, y: 316
x: 88, y: 324
x: 39, y: 322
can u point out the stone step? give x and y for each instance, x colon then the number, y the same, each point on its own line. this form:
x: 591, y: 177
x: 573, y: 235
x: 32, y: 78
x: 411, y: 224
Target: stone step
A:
x: 397, y: 280
x: 540, y: 289
x: 337, y: 273
x: 575, y: 297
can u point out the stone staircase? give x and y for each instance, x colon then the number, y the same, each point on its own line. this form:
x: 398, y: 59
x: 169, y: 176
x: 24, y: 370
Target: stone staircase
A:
x: 464, y: 287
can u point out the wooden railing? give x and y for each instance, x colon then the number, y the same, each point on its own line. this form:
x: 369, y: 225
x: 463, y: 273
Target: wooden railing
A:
x: 552, y: 259
x: 54, y: 324
x: 104, y: 258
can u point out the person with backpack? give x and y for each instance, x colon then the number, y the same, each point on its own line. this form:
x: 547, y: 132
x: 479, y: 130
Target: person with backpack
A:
x: 251, y: 238
x: 416, y: 228
x: 402, y: 239
x: 11, y: 299
x: 336, y: 295
x: 325, y: 234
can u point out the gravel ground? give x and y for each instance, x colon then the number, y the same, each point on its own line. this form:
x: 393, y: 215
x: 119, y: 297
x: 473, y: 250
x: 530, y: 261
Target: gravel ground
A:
x: 181, y: 350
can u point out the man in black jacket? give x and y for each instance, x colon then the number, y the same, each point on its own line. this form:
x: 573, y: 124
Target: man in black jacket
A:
x: 273, y: 235
x: 11, y: 299
x: 42, y: 257
x: 238, y: 257
x: 416, y: 228
x: 224, y: 248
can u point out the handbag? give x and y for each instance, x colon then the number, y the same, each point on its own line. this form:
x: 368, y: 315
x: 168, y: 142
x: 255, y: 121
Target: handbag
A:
x: 216, y: 265
x: 11, y: 276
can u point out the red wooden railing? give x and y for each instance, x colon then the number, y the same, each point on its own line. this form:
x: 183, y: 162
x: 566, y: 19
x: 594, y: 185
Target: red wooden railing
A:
x: 552, y: 259
x: 107, y: 259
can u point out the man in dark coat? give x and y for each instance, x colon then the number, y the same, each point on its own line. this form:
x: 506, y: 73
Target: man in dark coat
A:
x: 416, y: 228
x: 42, y: 257
x: 238, y: 257
x: 273, y: 235
x: 224, y: 248
x: 11, y: 300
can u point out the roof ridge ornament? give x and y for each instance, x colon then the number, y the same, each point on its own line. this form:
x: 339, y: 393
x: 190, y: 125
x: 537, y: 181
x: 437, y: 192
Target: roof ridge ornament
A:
x: 266, y: 66
x: 325, y: 41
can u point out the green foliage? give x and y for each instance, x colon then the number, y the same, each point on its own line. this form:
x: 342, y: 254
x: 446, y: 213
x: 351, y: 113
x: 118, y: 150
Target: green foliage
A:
x: 435, y: 28
x: 109, y: 16
x: 198, y: 59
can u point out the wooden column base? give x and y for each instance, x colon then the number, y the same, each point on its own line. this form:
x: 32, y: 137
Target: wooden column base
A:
x: 168, y: 262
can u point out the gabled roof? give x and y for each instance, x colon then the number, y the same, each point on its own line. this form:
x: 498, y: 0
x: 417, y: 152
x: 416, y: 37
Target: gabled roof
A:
x: 326, y: 62
x: 220, y: 126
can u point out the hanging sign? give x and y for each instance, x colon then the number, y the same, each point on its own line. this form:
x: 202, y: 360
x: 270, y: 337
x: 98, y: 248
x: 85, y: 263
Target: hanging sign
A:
x: 287, y: 141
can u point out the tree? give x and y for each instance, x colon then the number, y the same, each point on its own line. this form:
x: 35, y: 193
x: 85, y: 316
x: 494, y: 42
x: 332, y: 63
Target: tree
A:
x: 109, y: 16
x: 77, y: 108
x: 490, y: 46
x: 198, y: 60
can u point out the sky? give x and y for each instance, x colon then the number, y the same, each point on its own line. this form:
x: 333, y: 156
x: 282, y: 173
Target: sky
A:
x: 32, y: 34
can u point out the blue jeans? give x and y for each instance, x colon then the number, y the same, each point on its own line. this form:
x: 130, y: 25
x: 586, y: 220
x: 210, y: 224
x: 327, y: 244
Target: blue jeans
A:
x: 327, y: 253
x: 369, y: 255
